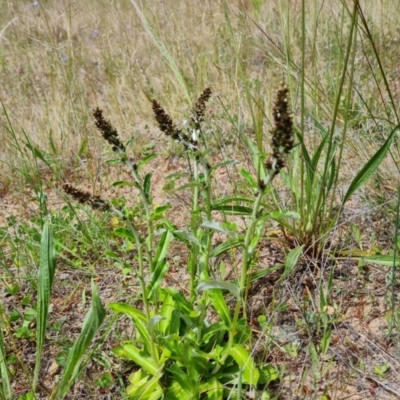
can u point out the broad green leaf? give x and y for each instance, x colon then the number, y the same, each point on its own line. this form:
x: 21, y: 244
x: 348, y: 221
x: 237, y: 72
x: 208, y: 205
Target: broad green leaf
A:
x: 213, y: 389
x: 234, y: 289
x: 154, y: 321
x: 131, y: 352
x: 47, y: 269
x: 250, y: 373
x: 180, y: 301
x: 144, y: 386
x: 167, y: 309
x: 226, y: 246
x: 249, y: 178
x: 234, y: 199
x: 213, y: 331
x: 91, y: 324
x: 291, y: 261
x: 162, y: 248
x: 125, y: 233
x: 370, y: 167
x: 138, y: 318
x: 218, y: 302
x: 157, y: 277
x: 216, y: 226
x: 174, y: 391
x: 268, y: 374
x: 232, y: 209
x: 379, y: 259
x: 186, y: 382
x: 186, y: 237
x: 133, y: 312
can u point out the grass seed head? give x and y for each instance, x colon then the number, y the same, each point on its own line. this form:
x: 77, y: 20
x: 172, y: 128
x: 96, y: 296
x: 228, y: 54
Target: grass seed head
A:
x: 282, y: 141
x: 200, y: 107
x: 164, y: 121
x: 85, y: 197
x: 108, y: 132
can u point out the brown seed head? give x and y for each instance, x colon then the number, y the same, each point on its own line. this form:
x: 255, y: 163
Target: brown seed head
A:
x: 282, y: 141
x: 108, y: 132
x: 85, y: 197
x: 200, y: 107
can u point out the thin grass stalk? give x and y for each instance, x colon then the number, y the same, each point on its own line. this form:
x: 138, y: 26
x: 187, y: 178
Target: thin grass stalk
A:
x: 393, y: 318
x: 194, y: 225
x: 382, y: 71
x: 322, y: 193
x: 146, y: 205
x: 243, y: 77
x: 302, y: 118
x: 207, y: 194
x: 346, y: 120
x: 376, y: 54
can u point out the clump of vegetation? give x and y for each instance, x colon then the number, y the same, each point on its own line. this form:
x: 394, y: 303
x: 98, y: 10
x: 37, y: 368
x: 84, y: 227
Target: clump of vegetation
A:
x: 236, y: 254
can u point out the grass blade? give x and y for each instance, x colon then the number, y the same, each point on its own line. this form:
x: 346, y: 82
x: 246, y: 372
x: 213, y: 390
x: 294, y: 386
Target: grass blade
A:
x: 46, y: 274
x: 370, y: 167
x: 91, y: 324
x: 5, y: 387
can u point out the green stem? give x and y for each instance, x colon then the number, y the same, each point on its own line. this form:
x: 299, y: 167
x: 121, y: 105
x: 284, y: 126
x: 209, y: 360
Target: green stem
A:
x: 194, y: 224
x: 246, y: 262
x: 141, y: 280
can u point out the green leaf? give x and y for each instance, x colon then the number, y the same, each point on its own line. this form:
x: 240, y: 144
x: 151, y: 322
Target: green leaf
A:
x: 144, y: 386
x: 249, y: 178
x: 167, y: 309
x: 185, y: 381
x: 174, y: 391
x: 219, y: 304
x: 268, y: 374
x: 123, y: 183
x: 138, y: 318
x: 147, y: 185
x: 125, y: 233
x: 5, y: 387
x: 131, y: 352
x: 186, y: 237
x: 162, y: 248
x: 250, y: 373
x: 91, y: 324
x: 226, y: 246
x: 291, y: 261
x: 145, y: 160
x: 232, y: 209
x: 216, y: 226
x: 43, y: 156
x: 370, y: 167
x: 47, y: 269
x: 379, y: 259
x: 213, y: 389
x: 157, y: 277
x: 219, y: 285
x: 180, y: 301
